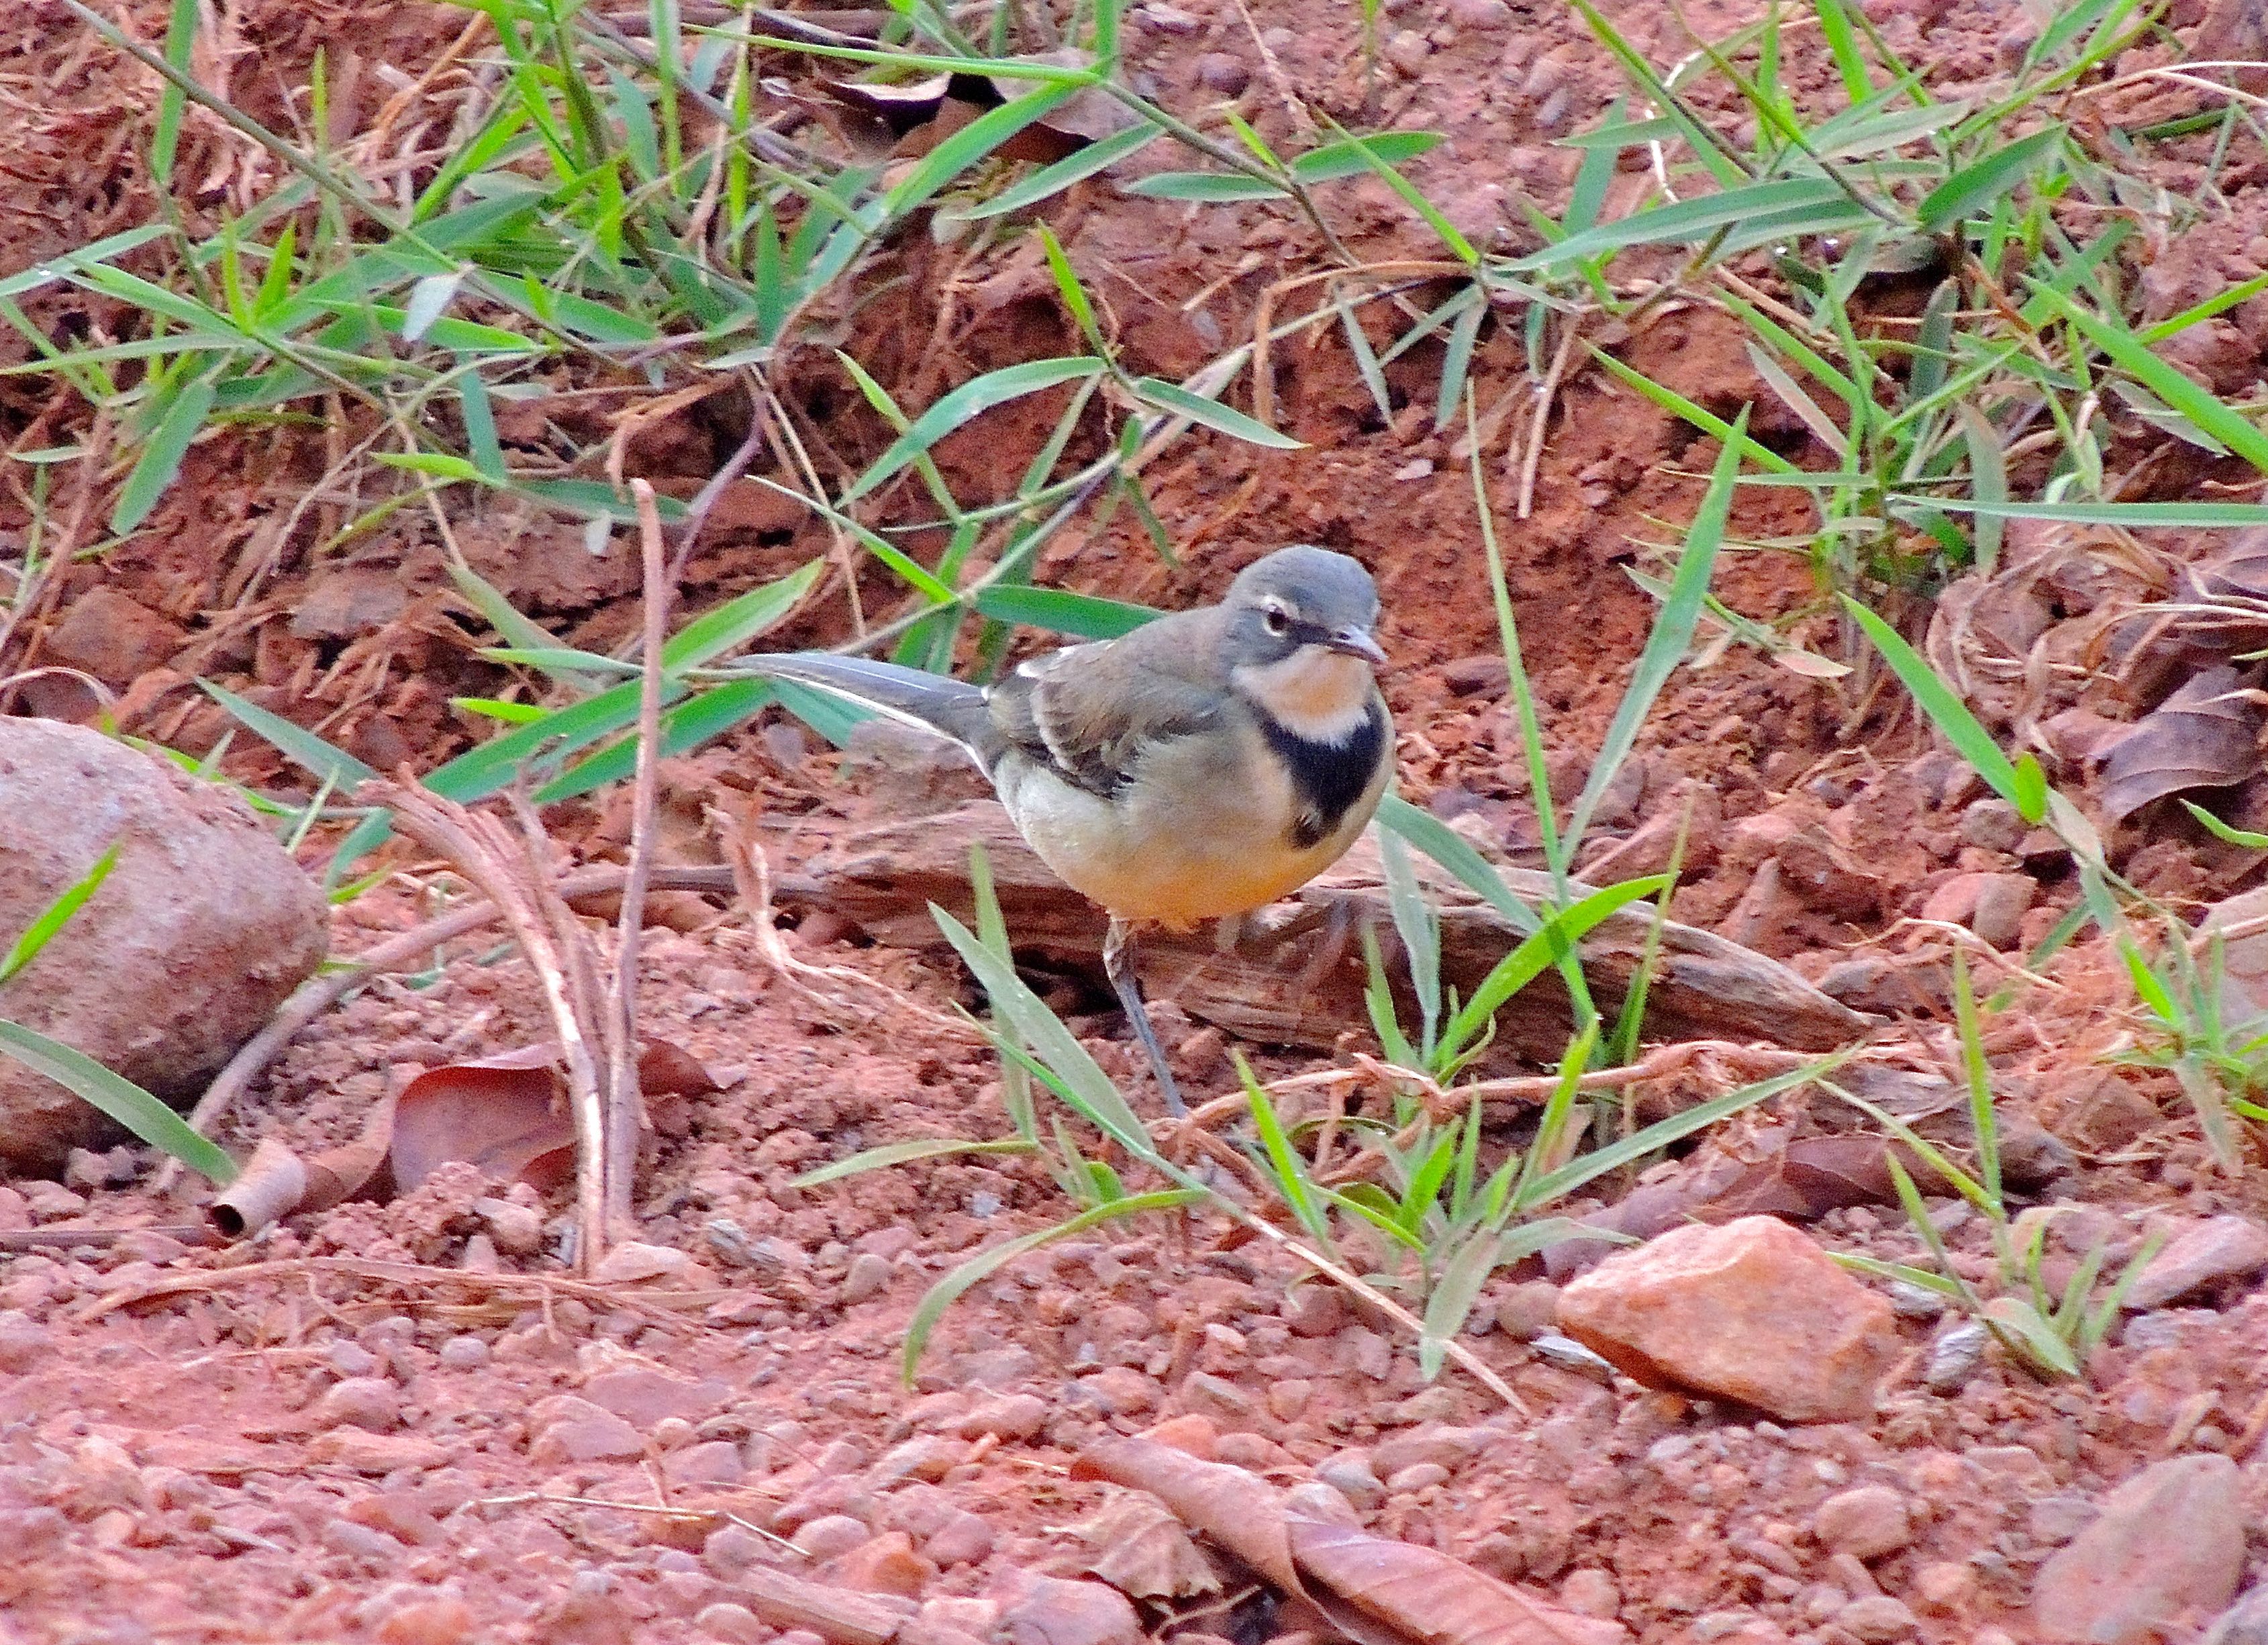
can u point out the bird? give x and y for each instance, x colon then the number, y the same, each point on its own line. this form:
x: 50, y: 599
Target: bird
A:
x: 1198, y: 767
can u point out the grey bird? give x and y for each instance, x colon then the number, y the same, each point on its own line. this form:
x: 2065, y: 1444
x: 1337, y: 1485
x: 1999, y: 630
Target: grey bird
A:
x: 1204, y: 765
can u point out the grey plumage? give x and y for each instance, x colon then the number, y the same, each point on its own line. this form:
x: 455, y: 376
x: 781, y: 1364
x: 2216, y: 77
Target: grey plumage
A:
x: 1208, y: 762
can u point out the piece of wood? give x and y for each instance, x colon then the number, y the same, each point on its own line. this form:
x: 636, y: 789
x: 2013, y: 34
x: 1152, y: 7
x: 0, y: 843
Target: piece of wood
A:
x: 833, y: 1613
x: 1293, y: 973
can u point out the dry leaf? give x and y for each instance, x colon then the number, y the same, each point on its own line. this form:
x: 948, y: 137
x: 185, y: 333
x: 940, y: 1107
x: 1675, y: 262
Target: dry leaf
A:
x: 504, y: 1114
x: 1426, y: 1594
x: 1373, y: 1589
x: 908, y: 118
x: 2204, y: 735
x: 1237, y: 1509
x: 1140, y: 1549
x: 276, y: 1183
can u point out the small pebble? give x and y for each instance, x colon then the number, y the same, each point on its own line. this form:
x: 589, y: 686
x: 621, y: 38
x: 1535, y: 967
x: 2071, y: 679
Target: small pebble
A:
x: 1407, y: 50
x: 1417, y: 1476
x: 829, y: 1535
x: 369, y: 1402
x: 350, y: 1359
x: 1590, y: 1593
x: 1954, y: 1357
x: 1866, y: 1522
x: 868, y: 1278
x: 464, y: 1353
x: 736, y: 1624
x: 1168, y: 19
x: 1350, y: 1474
x: 24, y: 1342
x: 1219, y: 71
x: 1877, y: 1619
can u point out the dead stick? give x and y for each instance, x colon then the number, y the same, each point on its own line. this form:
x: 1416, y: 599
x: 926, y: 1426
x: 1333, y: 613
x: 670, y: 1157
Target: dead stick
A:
x: 480, y: 848
x: 625, y: 1102
x: 314, y: 998
x: 651, y: 1304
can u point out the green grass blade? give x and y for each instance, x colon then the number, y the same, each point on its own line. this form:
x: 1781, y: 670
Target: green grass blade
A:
x: 910, y: 1153
x: 1060, y: 611
x: 1213, y: 414
x: 1553, y: 940
x: 1672, y: 633
x: 183, y: 417
x: 1687, y: 220
x: 1946, y: 711
x: 2200, y: 405
x: 1352, y: 157
x: 1286, y: 1169
x: 319, y: 758
x: 52, y: 918
x: 120, y: 1097
x: 947, y: 1290
x: 971, y: 400
x: 1975, y: 187
x: 1051, y: 1043
x: 1454, y: 852
x: 1628, y: 1150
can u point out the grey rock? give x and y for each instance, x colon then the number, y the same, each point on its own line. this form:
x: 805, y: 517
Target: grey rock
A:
x: 2224, y: 1247
x: 1353, y: 1476
x: 868, y: 1278
x: 202, y: 930
x: 1877, y: 1619
x: 1954, y: 1357
x: 1866, y: 1522
x: 24, y: 1342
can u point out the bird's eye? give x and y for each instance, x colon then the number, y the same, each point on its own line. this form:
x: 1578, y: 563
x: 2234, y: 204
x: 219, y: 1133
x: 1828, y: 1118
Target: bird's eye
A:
x: 1276, y: 619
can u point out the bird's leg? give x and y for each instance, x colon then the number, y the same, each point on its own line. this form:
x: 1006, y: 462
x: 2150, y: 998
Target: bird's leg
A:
x: 1118, y: 966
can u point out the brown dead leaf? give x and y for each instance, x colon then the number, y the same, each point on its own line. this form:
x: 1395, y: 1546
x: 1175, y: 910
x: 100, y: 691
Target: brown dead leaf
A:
x: 504, y: 1114
x: 2239, y: 571
x: 1237, y: 1509
x: 2204, y: 735
x: 277, y: 1182
x: 1424, y: 1595
x: 908, y: 118
x: 1141, y: 1549
x: 1376, y: 1590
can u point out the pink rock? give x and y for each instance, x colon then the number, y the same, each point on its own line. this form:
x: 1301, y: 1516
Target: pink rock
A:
x: 369, y: 1402
x: 2168, y: 1547
x: 2223, y: 1247
x: 572, y: 1429
x: 643, y: 1398
x: 1050, y: 1610
x: 1753, y: 1310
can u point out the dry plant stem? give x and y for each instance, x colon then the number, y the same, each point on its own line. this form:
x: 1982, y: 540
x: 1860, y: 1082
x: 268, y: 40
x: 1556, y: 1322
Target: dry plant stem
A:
x: 696, y: 512
x: 480, y: 848
x: 625, y: 1102
x: 1378, y: 1299
x: 412, y: 948
x: 1264, y: 331
x: 545, y: 1285
x: 1540, y: 421
x: 824, y: 986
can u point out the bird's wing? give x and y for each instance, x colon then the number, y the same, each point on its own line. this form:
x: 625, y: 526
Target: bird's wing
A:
x: 1088, y: 712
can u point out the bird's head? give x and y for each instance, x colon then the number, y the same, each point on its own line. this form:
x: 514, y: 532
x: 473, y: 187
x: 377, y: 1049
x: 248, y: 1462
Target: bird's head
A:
x: 1299, y: 639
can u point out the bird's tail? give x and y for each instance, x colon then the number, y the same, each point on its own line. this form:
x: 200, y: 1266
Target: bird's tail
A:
x: 933, y: 702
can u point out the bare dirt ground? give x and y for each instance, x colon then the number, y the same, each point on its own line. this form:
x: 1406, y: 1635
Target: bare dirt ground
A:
x: 279, y: 1450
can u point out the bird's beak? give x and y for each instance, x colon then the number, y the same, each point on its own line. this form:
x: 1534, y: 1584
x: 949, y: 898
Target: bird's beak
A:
x: 1357, y: 642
